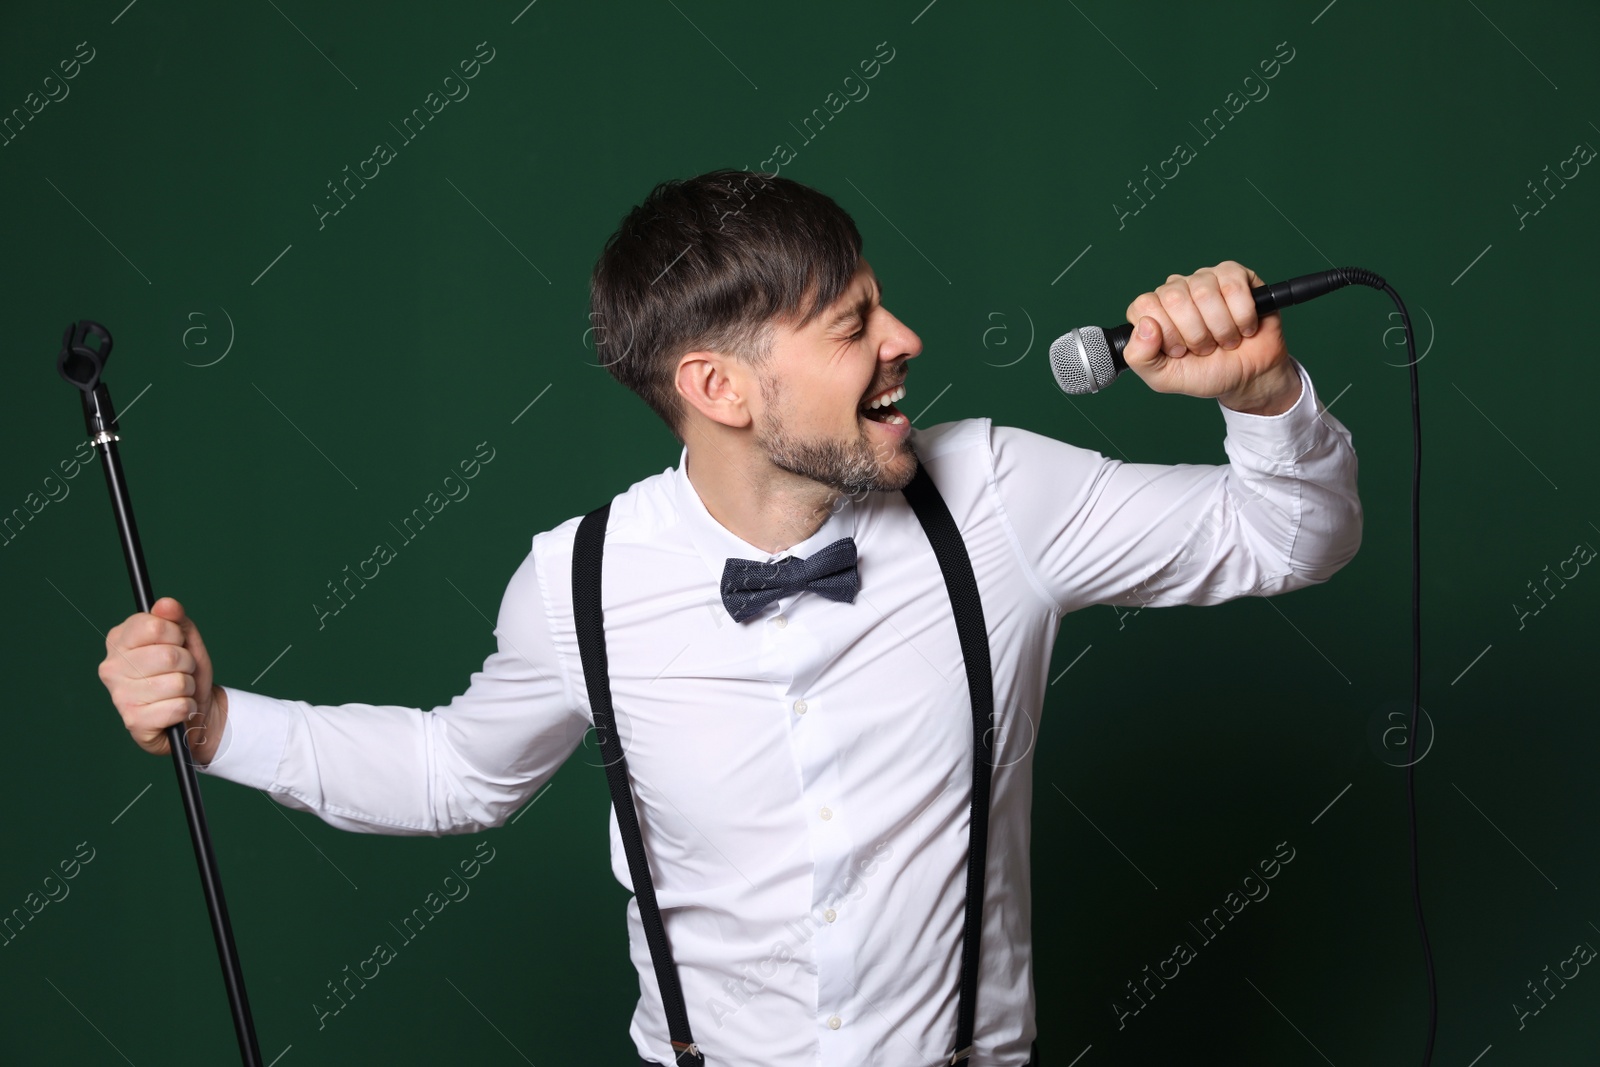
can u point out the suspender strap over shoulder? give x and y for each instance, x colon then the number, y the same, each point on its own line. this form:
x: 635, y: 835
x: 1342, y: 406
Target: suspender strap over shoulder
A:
x: 962, y: 587
x: 590, y: 623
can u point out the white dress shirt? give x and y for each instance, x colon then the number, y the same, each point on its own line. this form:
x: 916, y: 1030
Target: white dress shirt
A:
x: 803, y: 778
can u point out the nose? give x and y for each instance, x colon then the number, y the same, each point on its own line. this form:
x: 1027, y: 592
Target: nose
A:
x: 901, y: 343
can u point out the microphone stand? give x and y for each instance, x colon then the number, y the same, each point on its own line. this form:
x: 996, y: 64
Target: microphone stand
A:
x: 81, y: 364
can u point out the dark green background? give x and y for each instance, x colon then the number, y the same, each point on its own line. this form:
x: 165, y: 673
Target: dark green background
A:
x: 997, y: 141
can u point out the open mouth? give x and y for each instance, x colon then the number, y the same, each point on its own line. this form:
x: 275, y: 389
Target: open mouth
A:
x: 880, y: 406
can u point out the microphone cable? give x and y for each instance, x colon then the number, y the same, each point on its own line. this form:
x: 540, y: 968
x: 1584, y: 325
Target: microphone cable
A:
x: 1416, y: 652
x: 1357, y: 275
x: 1361, y: 276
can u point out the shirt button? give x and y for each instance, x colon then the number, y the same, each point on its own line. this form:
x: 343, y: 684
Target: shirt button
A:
x: 800, y: 707
x: 830, y: 915
x: 780, y: 622
x: 834, y: 1022
x: 826, y: 813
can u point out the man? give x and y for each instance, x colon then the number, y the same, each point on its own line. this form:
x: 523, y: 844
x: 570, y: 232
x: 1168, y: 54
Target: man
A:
x: 803, y: 775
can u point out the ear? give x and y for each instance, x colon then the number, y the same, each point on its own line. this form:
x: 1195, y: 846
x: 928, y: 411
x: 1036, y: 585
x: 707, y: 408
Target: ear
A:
x: 715, y: 385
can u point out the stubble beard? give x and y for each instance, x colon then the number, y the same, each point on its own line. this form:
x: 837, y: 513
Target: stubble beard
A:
x: 851, y: 466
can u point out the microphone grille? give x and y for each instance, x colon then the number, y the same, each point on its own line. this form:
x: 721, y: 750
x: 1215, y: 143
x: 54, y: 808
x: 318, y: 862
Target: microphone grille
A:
x: 1081, y: 361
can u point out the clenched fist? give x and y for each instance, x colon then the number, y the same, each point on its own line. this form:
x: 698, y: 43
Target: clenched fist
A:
x: 159, y: 675
x: 1199, y: 334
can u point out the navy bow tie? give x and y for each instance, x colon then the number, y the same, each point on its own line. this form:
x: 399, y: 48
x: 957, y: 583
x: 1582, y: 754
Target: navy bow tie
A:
x: 749, y: 585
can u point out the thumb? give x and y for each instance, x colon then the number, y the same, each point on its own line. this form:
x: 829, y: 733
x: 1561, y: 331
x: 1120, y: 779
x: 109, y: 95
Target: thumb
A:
x: 1145, y: 344
x: 168, y: 608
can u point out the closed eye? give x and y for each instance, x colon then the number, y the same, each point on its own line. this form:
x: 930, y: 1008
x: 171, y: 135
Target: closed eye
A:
x: 850, y: 338
x: 861, y: 313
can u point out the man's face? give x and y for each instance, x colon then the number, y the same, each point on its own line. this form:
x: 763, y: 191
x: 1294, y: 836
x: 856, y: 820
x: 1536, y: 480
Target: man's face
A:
x: 815, y: 417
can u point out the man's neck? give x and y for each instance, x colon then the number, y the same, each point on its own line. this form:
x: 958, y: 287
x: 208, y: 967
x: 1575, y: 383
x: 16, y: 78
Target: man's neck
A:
x: 769, y: 508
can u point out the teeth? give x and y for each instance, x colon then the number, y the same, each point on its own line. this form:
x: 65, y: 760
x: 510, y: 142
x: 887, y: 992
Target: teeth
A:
x: 896, y: 420
x: 889, y: 398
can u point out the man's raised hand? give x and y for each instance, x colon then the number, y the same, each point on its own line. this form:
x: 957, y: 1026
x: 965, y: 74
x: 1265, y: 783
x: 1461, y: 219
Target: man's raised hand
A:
x: 1199, y: 334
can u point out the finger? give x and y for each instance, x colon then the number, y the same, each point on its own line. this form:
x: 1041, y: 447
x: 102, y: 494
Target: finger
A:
x: 1206, y: 288
x: 162, y: 687
x: 120, y: 663
x: 1180, y: 307
x: 1237, y: 282
x: 169, y: 608
x: 1145, y: 343
x: 147, y: 661
x: 143, y: 629
x: 151, y: 719
x: 134, y: 695
x: 1148, y: 304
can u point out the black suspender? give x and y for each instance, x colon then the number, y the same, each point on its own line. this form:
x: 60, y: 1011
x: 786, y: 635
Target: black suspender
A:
x: 945, y: 537
x: 962, y: 588
x: 590, y: 623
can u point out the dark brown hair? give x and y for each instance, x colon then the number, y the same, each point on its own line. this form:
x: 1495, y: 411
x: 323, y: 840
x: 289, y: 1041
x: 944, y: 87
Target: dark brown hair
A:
x: 710, y: 263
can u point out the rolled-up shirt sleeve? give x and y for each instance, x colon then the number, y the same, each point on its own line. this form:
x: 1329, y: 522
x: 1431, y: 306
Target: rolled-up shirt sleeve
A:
x: 397, y: 770
x: 1282, y: 514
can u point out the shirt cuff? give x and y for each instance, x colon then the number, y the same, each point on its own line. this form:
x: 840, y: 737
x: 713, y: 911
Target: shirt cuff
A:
x: 1285, y: 436
x: 253, y: 739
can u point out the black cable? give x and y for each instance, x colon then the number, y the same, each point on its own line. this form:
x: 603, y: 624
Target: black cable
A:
x: 1416, y: 664
x: 1298, y: 290
x: 1341, y: 276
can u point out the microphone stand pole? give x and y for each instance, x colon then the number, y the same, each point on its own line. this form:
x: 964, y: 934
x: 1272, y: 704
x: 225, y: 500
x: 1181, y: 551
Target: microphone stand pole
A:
x: 81, y: 364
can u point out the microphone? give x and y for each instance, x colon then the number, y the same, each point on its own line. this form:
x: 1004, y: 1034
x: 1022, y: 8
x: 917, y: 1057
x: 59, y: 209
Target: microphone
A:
x: 1088, y: 359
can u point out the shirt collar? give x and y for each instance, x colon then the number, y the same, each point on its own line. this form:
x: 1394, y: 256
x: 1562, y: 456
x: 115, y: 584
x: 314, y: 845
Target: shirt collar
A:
x: 716, y: 543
